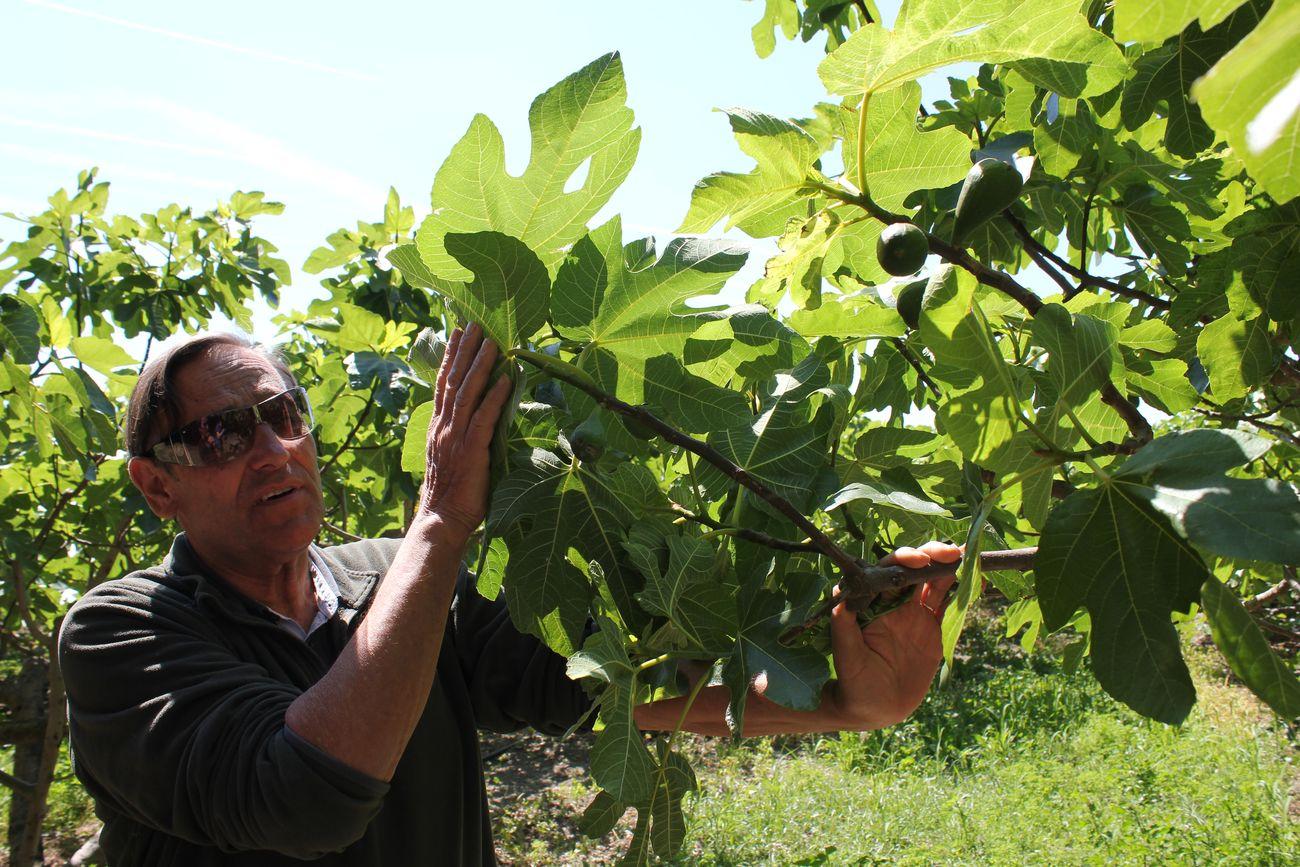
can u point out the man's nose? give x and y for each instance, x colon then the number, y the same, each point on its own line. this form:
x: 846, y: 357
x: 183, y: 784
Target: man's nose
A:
x: 268, y: 448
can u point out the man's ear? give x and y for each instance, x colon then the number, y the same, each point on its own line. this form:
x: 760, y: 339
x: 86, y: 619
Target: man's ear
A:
x: 157, y: 485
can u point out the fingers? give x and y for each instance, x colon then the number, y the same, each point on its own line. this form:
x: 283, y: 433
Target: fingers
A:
x: 470, y: 392
x: 941, y: 552
x: 846, y: 635
x: 934, y: 594
x: 485, y: 417
x: 930, y: 594
x: 444, y: 368
x: 466, y: 349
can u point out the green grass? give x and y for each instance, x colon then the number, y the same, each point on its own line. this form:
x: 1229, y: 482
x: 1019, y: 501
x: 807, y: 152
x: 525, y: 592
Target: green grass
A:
x: 70, y: 814
x: 1014, y: 762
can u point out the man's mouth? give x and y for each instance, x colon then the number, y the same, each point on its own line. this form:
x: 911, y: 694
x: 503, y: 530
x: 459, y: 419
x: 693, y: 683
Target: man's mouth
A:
x: 277, y: 494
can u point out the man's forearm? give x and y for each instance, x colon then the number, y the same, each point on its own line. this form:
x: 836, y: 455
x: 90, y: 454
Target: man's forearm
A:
x: 707, y: 715
x: 363, y: 711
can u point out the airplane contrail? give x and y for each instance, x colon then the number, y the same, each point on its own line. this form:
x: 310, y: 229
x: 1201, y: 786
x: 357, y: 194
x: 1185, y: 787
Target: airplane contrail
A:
x: 203, y: 40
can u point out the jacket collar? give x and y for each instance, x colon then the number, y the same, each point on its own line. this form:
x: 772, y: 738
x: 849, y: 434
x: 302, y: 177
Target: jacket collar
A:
x: 356, y: 586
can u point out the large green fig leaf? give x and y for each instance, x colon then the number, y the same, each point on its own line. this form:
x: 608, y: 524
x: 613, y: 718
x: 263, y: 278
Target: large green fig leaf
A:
x: 1108, y: 551
x: 1153, y: 20
x: 691, y: 594
x: 582, y: 118
x: 900, y: 158
x: 547, y: 507
x: 508, y: 292
x: 1247, y: 650
x: 1252, y: 98
x: 1164, y: 78
x: 794, y: 675
x: 1181, y: 476
x: 761, y: 201
x: 931, y: 34
x: 632, y: 319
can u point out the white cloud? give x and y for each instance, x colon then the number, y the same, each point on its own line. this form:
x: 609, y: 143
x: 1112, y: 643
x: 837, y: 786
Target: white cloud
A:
x: 218, y: 44
x: 111, y: 169
x: 242, y: 144
x: 223, y: 140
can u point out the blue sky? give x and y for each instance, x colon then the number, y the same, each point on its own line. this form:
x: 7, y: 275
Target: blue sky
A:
x: 323, y: 106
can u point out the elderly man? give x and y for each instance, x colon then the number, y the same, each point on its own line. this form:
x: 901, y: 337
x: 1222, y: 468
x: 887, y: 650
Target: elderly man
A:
x: 256, y: 699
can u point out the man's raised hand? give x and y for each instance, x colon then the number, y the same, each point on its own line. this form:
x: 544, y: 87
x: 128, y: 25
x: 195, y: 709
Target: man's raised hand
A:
x: 465, y: 414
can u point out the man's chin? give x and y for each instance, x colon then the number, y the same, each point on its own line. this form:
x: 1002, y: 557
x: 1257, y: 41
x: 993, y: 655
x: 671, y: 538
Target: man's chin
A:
x: 289, y: 535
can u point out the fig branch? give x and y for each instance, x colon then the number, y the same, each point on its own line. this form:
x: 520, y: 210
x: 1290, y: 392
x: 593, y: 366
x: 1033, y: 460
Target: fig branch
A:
x: 575, y: 377
x: 1003, y: 282
x: 1084, y: 278
x: 858, y: 591
x: 745, y: 533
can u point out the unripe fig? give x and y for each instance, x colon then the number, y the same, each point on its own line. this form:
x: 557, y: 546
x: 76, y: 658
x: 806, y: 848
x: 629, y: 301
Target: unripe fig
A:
x: 989, y: 189
x: 909, y: 301
x: 901, y: 249
x: 588, y: 439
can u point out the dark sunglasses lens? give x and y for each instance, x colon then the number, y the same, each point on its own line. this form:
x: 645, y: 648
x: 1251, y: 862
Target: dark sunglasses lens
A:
x: 288, y: 414
x: 223, y: 436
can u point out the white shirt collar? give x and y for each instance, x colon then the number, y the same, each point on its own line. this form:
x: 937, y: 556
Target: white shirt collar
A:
x: 327, y: 596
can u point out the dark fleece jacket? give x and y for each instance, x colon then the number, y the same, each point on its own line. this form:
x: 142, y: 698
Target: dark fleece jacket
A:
x: 177, y: 691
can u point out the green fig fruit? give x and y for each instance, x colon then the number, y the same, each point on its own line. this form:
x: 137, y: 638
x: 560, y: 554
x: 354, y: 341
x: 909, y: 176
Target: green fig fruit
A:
x: 909, y: 301
x: 588, y: 439
x: 901, y: 249
x: 989, y: 189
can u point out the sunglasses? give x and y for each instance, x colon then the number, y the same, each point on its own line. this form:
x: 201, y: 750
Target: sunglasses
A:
x: 224, y: 436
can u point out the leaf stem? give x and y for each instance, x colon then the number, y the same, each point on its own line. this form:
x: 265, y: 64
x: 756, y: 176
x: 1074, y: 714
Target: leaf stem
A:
x: 755, y: 536
x: 1083, y: 431
x: 686, y: 709
x: 862, y: 143
x: 695, y: 485
x: 651, y: 663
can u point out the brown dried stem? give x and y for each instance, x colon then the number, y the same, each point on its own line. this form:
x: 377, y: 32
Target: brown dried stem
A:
x: 858, y: 591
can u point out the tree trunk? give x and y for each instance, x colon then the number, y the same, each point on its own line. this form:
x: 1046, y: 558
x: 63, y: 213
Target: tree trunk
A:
x: 37, y: 763
x: 24, y: 699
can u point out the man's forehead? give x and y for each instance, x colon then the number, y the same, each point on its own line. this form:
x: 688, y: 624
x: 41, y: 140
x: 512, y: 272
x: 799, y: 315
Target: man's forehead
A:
x: 227, y: 376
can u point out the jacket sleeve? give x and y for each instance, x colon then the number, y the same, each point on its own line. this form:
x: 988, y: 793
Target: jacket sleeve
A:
x: 514, y: 679
x: 181, y: 735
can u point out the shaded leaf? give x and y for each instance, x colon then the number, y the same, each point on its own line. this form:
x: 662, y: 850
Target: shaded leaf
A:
x: 1107, y: 551
x: 1248, y: 652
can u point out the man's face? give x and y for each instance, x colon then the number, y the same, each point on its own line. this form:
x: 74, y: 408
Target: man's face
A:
x: 224, y: 508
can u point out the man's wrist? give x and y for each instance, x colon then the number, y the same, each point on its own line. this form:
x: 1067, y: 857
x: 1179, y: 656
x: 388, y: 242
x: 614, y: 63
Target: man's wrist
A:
x: 849, y: 716
x: 439, y: 530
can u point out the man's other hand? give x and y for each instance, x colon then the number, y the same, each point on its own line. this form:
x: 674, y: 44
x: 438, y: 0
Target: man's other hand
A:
x: 884, y: 671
